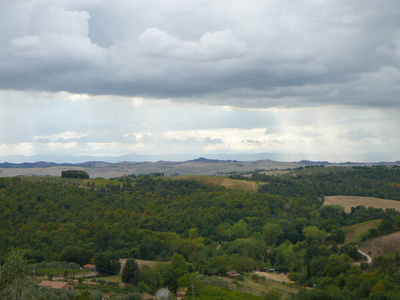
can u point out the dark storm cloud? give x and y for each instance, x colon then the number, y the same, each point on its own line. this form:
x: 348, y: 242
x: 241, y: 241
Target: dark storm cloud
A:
x: 245, y: 54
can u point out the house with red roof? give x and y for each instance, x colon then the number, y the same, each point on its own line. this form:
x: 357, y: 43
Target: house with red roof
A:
x: 90, y: 267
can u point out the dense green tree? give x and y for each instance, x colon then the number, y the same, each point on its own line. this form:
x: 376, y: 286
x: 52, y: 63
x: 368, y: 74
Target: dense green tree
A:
x: 150, y: 277
x: 131, y: 273
x: 186, y: 280
x: 107, y: 263
x: 244, y: 264
x: 220, y: 264
x: 239, y: 230
x: 337, y: 235
x: 350, y: 250
x: 84, y: 295
x: 313, y: 233
x: 272, y: 233
x: 12, y: 275
x: 75, y: 174
x: 76, y: 254
x: 176, y: 269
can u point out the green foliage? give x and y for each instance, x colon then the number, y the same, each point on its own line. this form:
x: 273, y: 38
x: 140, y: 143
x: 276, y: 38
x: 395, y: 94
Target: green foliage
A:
x: 272, y: 295
x: 107, y: 263
x: 84, y: 295
x: 377, y: 181
x: 150, y: 277
x: 176, y: 269
x: 337, y: 235
x: 75, y: 174
x: 186, y: 280
x: 219, y: 293
x: 243, y: 264
x: 255, y: 277
x: 109, y: 287
x: 76, y: 255
x: 178, y: 262
x: 350, y: 250
x: 220, y: 264
x: 214, y: 281
x: 313, y: 233
x: 12, y: 275
x: 131, y: 273
x: 272, y: 233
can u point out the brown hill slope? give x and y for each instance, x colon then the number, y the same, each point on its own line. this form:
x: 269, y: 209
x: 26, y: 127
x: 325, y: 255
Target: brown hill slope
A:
x: 383, y: 245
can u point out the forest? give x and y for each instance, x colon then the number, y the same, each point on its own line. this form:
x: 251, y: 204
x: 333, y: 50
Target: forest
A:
x: 198, y: 232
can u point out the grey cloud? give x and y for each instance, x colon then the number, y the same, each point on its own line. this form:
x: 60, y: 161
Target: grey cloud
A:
x: 358, y: 135
x: 242, y: 54
x: 251, y: 142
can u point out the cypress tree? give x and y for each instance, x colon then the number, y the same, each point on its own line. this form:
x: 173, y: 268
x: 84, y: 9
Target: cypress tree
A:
x: 131, y: 273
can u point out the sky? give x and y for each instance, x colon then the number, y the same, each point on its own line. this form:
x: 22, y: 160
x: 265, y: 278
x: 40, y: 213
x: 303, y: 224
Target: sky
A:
x: 320, y: 79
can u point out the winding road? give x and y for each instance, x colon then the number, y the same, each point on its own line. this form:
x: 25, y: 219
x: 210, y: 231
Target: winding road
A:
x: 369, y: 260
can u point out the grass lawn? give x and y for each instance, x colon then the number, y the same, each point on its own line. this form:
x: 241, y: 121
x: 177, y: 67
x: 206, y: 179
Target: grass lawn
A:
x: 354, y: 233
x: 114, y: 278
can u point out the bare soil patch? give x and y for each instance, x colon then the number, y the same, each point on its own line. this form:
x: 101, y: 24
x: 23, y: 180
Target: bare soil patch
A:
x: 352, y: 201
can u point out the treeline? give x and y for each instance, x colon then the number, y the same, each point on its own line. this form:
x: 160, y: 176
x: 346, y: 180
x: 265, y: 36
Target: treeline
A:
x: 79, y: 174
x: 376, y: 181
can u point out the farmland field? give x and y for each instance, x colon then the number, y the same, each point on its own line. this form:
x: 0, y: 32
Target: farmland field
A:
x: 352, y: 201
x: 242, y: 185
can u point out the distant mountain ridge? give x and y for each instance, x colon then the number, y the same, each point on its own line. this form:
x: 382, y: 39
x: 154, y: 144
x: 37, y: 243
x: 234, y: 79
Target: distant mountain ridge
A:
x: 284, y: 157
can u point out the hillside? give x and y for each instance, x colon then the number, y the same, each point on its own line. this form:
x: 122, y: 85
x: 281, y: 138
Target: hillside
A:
x: 200, y: 166
x: 382, y: 245
x: 355, y: 233
x: 209, y: 225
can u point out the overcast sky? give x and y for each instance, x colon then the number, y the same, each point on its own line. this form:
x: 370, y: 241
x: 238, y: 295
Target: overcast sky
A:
x: 200, y: 77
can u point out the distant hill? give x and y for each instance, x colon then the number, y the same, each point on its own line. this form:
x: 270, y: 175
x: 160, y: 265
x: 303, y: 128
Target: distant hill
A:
x: 201, y: 166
